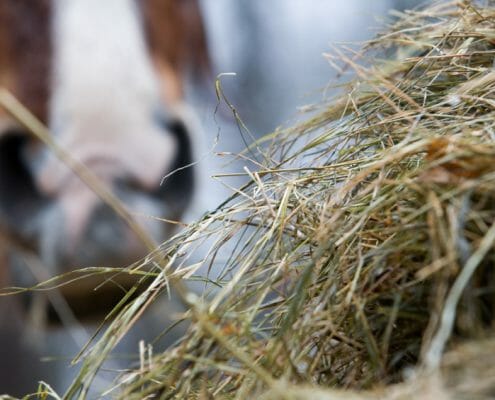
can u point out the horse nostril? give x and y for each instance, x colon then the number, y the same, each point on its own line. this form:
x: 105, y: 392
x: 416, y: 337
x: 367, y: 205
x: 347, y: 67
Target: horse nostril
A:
x: 178, y: 183
x: 180, y: 131
x: 20, y: 200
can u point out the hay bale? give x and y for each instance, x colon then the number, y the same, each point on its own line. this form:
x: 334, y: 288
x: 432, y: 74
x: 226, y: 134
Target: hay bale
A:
x: 364, y: 245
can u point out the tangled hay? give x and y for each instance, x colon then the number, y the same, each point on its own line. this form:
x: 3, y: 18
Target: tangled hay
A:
x: 360, y: 255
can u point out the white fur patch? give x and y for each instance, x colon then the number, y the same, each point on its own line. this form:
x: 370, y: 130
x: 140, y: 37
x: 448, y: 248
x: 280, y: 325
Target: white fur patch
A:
x: 105, y: 95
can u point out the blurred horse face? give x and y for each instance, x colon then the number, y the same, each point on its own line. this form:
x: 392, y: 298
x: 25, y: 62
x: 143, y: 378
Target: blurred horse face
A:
x: 105, y: 76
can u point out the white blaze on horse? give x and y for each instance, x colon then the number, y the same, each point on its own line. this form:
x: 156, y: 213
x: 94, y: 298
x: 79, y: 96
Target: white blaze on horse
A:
x: 106, y: 78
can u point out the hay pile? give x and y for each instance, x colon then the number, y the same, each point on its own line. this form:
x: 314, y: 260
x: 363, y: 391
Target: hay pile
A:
x: 361, y: 249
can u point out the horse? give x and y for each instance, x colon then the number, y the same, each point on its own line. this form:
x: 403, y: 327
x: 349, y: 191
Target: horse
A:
x: 107, y: 79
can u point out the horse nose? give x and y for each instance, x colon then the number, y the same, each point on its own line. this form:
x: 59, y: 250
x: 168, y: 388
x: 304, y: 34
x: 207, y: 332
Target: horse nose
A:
x: 133, y: 168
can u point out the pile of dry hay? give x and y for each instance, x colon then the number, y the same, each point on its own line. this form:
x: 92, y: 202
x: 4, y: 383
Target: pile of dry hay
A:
x: 361, y: 254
